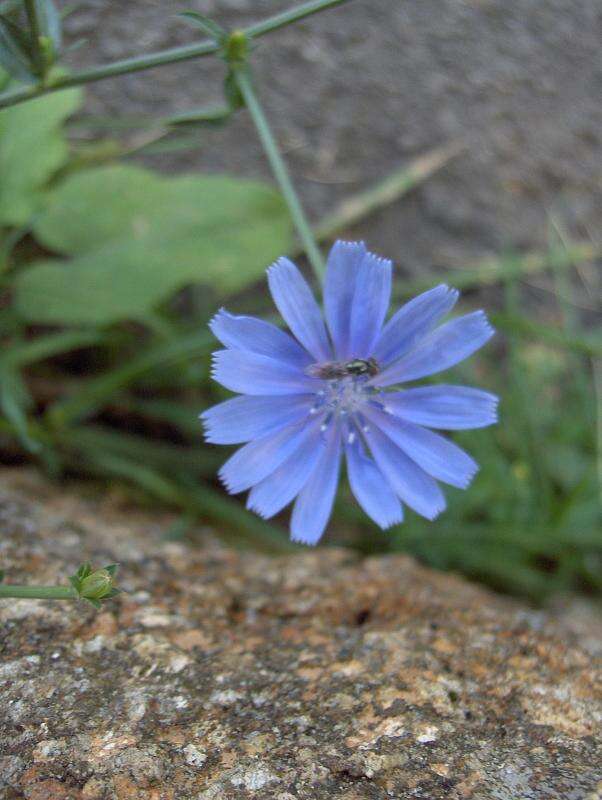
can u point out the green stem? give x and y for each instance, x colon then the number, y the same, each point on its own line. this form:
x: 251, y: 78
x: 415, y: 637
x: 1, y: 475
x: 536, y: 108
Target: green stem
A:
x: 171, y: 56
x: 38, y: 592
x: 292, y: 15
x: 244, y: 83
x: 99, y: 73
x: 34, y: 28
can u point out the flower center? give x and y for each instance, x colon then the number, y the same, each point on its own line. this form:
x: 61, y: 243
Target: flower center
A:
x: 344, y: 396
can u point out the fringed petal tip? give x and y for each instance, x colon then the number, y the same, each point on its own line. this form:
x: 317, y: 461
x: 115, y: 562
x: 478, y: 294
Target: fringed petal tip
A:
x: 382, y: 262
x: 385, y: 523
x: 359, y: 245
x: 484, y: 319
x: 281, y: 263
x: 256, y: 509
x: 205, y: 426
x: 216, y: 317
x: 231, y: 485
x: 435, y: 511
x: 228, y: 485
x: 468, y: 478
x: 305, y: 538
x: 210, y: 434
x: 446, y: 295
x: 215, y: 358
x: 216, y: 324
x: 436, y: 514
x: 493, y: 411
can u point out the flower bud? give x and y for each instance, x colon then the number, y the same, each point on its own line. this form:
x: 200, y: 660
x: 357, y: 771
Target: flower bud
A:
x: 96, y: 585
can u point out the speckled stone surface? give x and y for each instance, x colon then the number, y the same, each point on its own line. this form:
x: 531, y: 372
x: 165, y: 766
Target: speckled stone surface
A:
x: 223, y: 675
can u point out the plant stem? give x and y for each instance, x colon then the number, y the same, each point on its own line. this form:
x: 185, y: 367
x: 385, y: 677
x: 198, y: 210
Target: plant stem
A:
x: 244, y: 83
x: 38, y: 592
x: 34, y: 28
x: 292, y: 15
x: 103, y: 71
x: 171, y: 56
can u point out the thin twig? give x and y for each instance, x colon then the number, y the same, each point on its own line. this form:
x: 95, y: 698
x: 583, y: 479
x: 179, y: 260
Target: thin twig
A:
x: 170, y: 56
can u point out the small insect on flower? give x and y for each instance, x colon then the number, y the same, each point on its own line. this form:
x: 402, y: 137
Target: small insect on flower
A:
x: 342, y: 369
x: 334, y: 389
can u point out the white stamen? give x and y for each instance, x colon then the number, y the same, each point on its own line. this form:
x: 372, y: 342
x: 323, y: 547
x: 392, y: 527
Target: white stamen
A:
x: 351, y: 437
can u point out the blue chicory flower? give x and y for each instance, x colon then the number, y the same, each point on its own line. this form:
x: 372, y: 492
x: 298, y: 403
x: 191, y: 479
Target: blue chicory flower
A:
x: 334, y: 390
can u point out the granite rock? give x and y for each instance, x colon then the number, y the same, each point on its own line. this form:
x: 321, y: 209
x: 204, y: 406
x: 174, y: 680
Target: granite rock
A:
x: 223, y: 675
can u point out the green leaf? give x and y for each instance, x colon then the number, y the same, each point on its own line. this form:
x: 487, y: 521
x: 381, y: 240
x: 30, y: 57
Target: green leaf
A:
x: 97, y: 205
x: 14, y: 402
x: 208, y: 26
x: 50, y: 22
x: 32, y: 148
x: 138, y: 238
x: 215, y: 114
x: 15, y: 55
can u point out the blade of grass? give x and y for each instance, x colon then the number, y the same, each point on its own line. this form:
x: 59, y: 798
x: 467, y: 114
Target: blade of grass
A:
x: 185, y: 419
x: 360, y: 206
x: 97, y: 390
x: 495, y: 270
x: 14, y: 401
x: 192, y: 499
x: 520, y: 395
x: 164, y: 455
x: 589, y: 345
x: 570, y: 320
x: 52, y: 344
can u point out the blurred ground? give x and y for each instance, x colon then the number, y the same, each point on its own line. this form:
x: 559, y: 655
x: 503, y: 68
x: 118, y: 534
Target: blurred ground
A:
x: 355, y: 91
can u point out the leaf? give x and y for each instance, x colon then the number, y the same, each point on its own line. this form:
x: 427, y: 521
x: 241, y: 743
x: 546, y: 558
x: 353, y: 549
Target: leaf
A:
x: 138, y: 238
x: 32, y: 148
x: 208, y: 26
x: 14, y: 401
x: 15, y: 51
x: 215, y: 114
x: 94, y: 206
x: 50, y: 22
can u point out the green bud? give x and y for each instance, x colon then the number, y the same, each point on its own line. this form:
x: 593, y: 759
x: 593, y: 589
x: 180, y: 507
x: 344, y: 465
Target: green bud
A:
x: 97, y: 585
x: 237, y: 48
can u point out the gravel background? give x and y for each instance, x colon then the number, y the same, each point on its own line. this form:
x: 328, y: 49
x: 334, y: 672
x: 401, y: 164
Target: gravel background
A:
x: 358, y: 90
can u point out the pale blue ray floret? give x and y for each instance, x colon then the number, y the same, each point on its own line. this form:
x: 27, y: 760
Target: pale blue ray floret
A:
x: 333, y: 389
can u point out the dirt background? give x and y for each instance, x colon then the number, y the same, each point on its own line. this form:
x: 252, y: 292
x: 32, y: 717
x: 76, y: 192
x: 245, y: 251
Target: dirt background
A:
x: 361, y: 89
